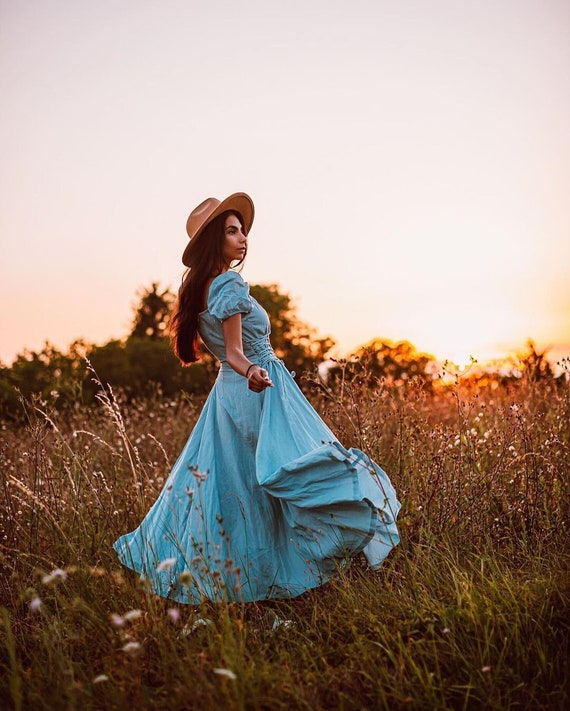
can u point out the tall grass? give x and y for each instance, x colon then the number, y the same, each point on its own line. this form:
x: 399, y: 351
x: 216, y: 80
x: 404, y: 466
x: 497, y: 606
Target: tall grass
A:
x: 470, y: 611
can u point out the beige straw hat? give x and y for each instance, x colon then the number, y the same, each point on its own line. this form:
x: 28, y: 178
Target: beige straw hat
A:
x: 210, y: 209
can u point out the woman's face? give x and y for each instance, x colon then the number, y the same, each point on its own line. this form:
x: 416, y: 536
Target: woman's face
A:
x: 235, y: 242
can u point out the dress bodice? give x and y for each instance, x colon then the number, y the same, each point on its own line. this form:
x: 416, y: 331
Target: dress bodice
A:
x: 229, y: 295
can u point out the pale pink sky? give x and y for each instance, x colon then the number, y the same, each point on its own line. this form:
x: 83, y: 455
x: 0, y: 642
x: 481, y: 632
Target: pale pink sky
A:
x: 409, y: 162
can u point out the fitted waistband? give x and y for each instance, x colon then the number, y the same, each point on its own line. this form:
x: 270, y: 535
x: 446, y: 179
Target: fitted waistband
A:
x: 259, y: 352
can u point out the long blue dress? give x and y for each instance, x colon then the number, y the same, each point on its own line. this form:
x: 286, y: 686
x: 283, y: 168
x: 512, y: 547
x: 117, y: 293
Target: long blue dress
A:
x: 263, y: 502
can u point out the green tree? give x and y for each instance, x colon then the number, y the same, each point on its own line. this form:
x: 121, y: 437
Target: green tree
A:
x: 49, y: 373
x: 395, y: 363
x: 152, y: 313
x: 144, y: 360
x: 534, y: 365
x: 293, y: 340
x: 139, y: 365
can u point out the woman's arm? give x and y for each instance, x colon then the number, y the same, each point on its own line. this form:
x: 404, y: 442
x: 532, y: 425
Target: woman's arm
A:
x: 257, y: 377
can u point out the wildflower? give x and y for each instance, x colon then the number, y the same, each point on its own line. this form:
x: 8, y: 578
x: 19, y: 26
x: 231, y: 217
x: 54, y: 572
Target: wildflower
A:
x: 35, y: 604
x: 131, y: 648
x: 485, y: 669
x: 196, y: 624
x: 117, y: 620
x: 54, y: 576
x: 97, y: 572
x: 445, y: 630
x: 225, y: 672
x: 278, y: 623
x: 100, y: 678
x: 173, y: 614
x: 132, y: 615
x: 185, y: 577
x: 165, y: 565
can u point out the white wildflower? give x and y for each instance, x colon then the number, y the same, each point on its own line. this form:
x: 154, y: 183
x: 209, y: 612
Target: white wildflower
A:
x: 131, y: 647
x: 132, y: 615
x: 117, y: 620
x: 55, y: 576
x: 100, y: 678
x: 35, y: 604
x: 196, y: 624
x: 279, y: 623
x: 173, y: 614
x: 165, y: 565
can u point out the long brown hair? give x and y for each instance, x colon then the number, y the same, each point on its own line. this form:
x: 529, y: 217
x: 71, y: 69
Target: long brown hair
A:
x: 206, y: 260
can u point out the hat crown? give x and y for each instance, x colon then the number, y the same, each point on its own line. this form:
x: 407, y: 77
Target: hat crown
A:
x: 199, y: 215
x: 205, y: 208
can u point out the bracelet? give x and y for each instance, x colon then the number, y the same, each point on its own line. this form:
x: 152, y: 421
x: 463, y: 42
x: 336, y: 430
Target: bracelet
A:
x: 250, y: 367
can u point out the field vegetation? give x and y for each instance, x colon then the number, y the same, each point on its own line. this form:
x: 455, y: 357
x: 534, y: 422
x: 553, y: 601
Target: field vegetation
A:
x: 470, y: 611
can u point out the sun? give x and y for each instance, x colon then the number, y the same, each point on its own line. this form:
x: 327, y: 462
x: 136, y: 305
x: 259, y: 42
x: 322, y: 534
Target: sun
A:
x: 462, y: 359
x: 464, y: 339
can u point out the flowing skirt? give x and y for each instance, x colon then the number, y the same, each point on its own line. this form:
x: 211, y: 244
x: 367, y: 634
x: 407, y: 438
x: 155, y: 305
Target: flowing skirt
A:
x: 263, y: 501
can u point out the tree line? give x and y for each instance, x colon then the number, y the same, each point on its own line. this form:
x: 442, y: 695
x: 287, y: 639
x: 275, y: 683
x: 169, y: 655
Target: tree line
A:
x: 143, y: 363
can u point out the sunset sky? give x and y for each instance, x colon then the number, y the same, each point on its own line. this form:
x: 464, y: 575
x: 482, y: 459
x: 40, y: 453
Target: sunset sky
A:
x: 409, y: 162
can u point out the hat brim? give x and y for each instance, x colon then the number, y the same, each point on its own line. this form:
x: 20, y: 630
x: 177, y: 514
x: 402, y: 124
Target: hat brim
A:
x: 240, y: 202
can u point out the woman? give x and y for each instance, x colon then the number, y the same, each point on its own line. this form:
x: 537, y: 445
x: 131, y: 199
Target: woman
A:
x: 263, y: 502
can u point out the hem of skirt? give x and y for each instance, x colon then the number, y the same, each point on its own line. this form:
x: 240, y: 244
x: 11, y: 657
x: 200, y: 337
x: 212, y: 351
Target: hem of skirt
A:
x: 284, y: 594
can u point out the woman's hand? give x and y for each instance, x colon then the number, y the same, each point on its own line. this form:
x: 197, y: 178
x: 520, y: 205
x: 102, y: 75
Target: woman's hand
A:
x: 258, y: 379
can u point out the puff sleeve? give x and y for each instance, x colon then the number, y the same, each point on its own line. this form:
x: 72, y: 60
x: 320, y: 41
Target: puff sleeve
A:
x: 229, y: 295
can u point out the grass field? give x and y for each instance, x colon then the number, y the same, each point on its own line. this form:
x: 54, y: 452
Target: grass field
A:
x: 471, y: 611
